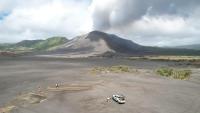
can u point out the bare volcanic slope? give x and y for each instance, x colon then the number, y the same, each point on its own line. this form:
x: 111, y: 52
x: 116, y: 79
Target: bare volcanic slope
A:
x: 96, y: 43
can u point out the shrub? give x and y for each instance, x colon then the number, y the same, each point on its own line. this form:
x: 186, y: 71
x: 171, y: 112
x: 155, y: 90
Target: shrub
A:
x: 115, y: 69
x: 165, y: 72
x: 98, y: 69
x: 174, y: 73
x: 119, y: 68
x: 181, y: 74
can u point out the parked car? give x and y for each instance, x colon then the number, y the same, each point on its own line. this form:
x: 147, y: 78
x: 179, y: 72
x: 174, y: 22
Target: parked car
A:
x: 119, y: 98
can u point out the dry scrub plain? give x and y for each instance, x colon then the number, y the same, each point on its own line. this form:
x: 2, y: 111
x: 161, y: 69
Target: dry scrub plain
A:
x: 27, y: 85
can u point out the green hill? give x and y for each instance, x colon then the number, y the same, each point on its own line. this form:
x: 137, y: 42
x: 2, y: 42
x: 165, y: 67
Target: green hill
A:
x: 34, y: 45
x: 49, y: 43
x: 4, y: 46
x: 27, y: 43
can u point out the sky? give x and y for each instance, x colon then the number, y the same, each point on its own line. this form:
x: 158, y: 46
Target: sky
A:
x: 147, y: 22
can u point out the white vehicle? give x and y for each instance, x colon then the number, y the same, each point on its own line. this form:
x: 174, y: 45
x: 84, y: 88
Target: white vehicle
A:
x: 119, y: 99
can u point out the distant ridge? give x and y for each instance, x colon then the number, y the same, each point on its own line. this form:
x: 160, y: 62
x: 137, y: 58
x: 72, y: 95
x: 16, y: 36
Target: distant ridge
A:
x: 192, y: 46
x: 97, y: 43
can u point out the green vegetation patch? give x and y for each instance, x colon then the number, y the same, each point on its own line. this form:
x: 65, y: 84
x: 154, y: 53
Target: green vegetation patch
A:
x: 34, y: 45
x: 174, y: 73
x: 120, y: 68
x: 168, y: 58
x: 51, y: 42
x: 114, y: 69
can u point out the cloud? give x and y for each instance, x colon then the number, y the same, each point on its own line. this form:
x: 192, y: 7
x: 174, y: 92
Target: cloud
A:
x: 44, y: 19
x: 162, y: 30
x: 152, y: 22
x: 122, y: 12
x: 148, y: 22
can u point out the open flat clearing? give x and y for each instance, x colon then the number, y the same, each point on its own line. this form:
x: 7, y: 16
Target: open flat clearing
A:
x: 81, y: 91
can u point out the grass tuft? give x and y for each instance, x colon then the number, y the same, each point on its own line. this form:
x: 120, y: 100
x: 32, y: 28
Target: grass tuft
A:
x: 174, y: 73
x: 120, y: 68
x: 169, y: 58
x: 113, y: 69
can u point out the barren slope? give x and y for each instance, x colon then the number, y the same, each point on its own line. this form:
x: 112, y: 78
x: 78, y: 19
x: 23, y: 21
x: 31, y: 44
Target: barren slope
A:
x: 96, y: 43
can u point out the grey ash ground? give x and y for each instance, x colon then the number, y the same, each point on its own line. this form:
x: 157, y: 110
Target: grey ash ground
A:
x: 144, y: 90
